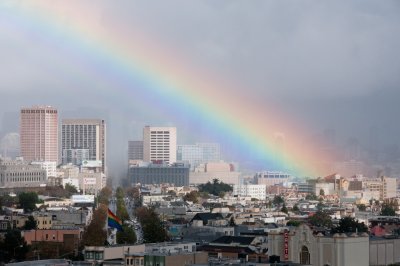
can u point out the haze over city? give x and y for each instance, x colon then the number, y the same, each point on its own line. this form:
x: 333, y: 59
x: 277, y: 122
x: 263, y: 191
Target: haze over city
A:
x: 331, y: 68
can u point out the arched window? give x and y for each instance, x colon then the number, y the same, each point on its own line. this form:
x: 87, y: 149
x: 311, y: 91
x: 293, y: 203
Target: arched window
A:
x: 304, y: 255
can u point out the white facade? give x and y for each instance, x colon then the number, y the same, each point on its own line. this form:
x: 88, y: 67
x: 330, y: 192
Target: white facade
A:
x: 159, y: 144
x: 271, y: 178
x: 254, y: 191
x: 50, y: 168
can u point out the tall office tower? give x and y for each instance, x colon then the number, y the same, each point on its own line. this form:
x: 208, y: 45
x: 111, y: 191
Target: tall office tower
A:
x: 135, y: 150
x: 39, y: 133
x: 159, y: 144
x: 79, y: 135
x: 199, y: 153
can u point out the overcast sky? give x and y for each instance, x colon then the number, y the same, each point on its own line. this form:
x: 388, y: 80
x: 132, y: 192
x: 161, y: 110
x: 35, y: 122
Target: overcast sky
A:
x: 329, y: 64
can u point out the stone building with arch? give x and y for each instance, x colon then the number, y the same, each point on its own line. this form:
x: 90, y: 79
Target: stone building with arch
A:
x: 309, y: 247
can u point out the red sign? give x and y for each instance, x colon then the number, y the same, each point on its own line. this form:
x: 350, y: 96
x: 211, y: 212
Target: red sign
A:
x: 286, y: 246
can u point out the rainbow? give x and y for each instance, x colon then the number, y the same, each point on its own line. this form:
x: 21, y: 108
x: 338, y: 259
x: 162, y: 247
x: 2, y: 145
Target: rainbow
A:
x: 143, y: 71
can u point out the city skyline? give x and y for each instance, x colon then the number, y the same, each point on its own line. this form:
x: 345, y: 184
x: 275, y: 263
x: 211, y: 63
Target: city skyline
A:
x: 236, y: 87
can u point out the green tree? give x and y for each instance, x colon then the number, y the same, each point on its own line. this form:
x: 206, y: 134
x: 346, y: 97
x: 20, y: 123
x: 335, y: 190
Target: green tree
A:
x: 295, y: 208
x: 94, y: 234
x: 349, y: 224
x: 293, y: 223
x: 153, y: 230
x: 278, y: 200
x: 321, y: 218
x: 215, y: 188
x: 28, y: 200
x: 192, y: 196
x: 311, y: 196
x: 362, y: 207
x: 71, y: 188
x: 127, y: 236
x: 387, y: 210
x: 30, y: 224
x: 284, y: 209
x: 14, y: 246
x: 322, y: 192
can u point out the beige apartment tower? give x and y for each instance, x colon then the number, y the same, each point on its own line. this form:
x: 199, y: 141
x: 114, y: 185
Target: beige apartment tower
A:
x: 86, y: 137
x: 159, y: 144
x: 39, y: 133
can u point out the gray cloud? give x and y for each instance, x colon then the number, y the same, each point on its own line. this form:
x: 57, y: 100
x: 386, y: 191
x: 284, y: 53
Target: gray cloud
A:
x: 330, y: 64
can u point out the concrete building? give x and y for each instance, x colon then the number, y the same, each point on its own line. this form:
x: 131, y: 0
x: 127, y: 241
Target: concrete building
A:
x: 303, y: 245
x: 75, y: 156
x: 39, y: 133
x: 82, y: 134
x: 253, y: 191
x: 199, y: 153
x: 99, y: 254
x: 135, y: 150
x: 50, y: 168
x: 223, y: 171
x: 149, y: 173
x: 159, y: 144
x: 18, y: 173
x: 271, y: 178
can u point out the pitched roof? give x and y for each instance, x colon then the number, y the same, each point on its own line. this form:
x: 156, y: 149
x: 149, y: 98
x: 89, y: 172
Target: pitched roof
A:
x: 206, y: 216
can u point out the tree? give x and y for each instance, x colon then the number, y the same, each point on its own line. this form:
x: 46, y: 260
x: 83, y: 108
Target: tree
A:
x: 14, y: 246
x: 321, y: 218
x: 153, y: 230
x: 104, y: 195
x: 278, y: 200
x: 284, y: 209
x: 28, y: 200
x: 30, y: 224
x: 127, y: 236
x: 232, y: 221
x: 387, y: 210
x: 311, y: 196
x: 322, y: 192
x: 293, y: 223
x: 192, y: 196
x: 215, y: 188
x: 296, y: 208
x: 349, y: 224
x: 94, y: 234
x: 71, y: 188
x: 362, y: 207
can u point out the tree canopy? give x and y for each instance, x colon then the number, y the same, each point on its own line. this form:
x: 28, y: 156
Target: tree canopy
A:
x: 28, y: 200
x: 153, y: 230
x: 321, y: 218
x: 215, y: 188
x: 127, y: 236
x: 349, y: 224
x: 95, y: 234
x: 388, y: 210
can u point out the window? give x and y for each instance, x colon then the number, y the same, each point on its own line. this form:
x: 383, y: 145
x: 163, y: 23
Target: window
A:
x: 304, y: 255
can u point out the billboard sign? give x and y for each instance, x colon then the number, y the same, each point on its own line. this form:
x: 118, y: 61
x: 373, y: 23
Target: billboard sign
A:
x: 87, y: 163
x: 82, y: 198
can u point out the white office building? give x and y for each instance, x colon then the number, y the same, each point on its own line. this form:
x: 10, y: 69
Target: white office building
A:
x: 159, y: 144
x: 271, y: 178
x: 250, y: 190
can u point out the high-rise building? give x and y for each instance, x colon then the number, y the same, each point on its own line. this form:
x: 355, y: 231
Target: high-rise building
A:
x: 84, y: 134
x: 39, y: 133
x: 135, y: 150
x: 159, y: 144
x: 200, y: 153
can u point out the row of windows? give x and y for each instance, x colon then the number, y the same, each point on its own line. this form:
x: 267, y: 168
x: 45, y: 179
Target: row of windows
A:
x: 38, y: 111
